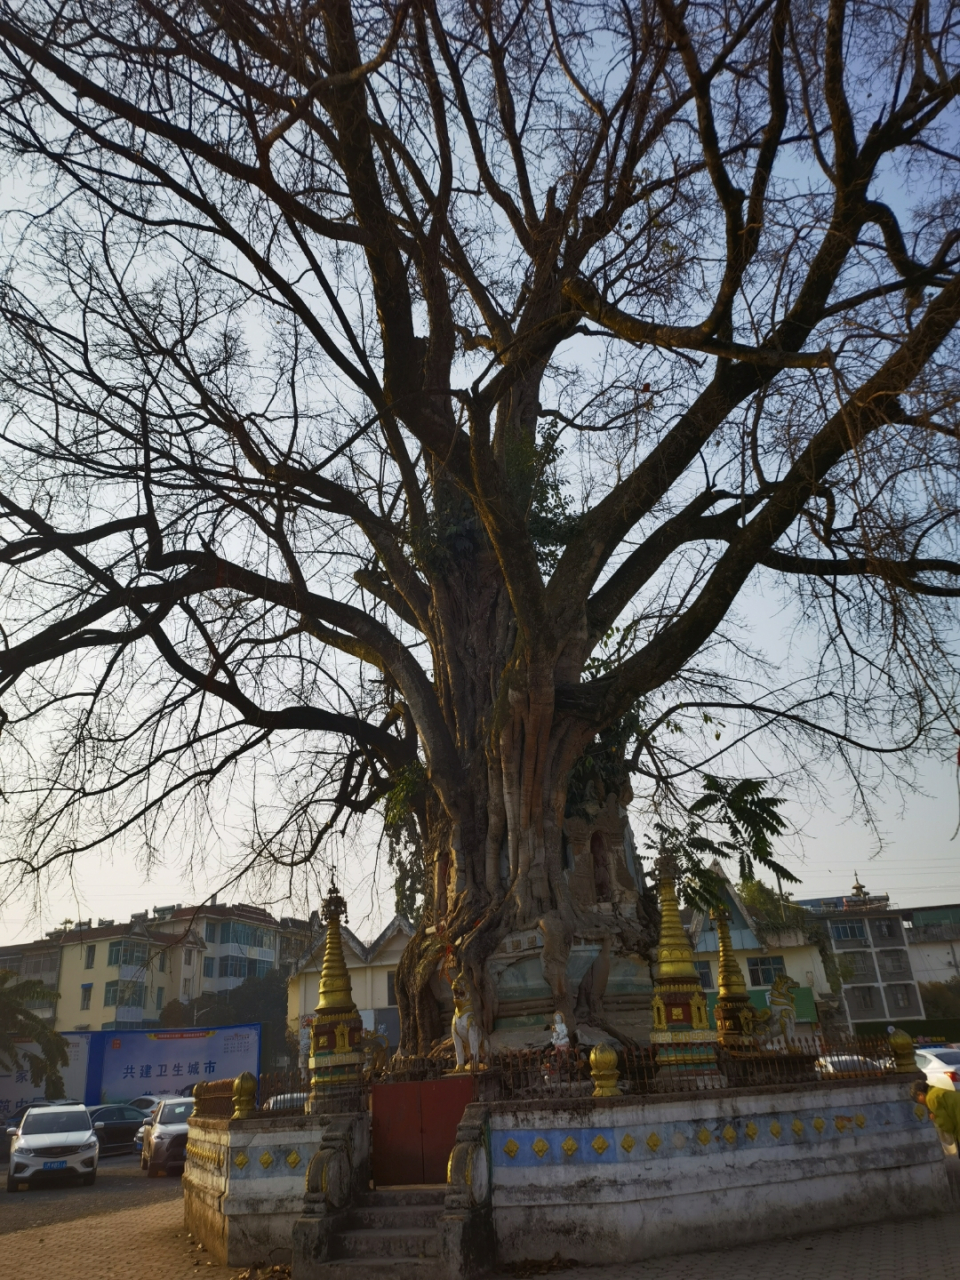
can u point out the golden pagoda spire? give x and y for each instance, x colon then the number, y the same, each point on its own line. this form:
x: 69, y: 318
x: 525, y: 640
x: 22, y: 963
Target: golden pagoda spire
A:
x: 730, y: 980
x: 336, y: 992
x: 674, y: 952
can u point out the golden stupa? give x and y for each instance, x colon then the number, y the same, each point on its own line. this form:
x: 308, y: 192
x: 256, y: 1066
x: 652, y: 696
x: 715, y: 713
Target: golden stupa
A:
x: 336, y: 1060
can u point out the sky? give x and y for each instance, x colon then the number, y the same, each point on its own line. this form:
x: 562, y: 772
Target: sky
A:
x: 919, y: 864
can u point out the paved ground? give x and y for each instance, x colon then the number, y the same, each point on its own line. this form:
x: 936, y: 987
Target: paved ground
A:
x: 92, y: 1238
x: 120, y: 1184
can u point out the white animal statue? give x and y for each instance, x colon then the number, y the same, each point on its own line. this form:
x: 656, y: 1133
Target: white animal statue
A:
x: 783, y: 1011
x: 560, y: 1036
x: 468, y: 1037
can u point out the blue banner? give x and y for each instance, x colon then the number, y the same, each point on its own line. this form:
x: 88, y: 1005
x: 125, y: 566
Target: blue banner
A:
x: 170, y: 1059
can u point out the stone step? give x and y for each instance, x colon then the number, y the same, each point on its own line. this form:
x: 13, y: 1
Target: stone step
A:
x: 380, y: 1269
x: 419, y: 1194
x: 387, y: 1242
x: 409, y: 1217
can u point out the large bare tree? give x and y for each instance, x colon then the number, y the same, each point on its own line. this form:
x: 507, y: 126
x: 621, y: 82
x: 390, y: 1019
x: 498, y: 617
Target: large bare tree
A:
x: 407, y: 396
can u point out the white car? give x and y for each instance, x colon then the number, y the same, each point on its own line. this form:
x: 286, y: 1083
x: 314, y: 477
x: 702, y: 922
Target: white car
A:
x: 165, y: 1137
x: 941, y: 1066
x: 57, y: 1141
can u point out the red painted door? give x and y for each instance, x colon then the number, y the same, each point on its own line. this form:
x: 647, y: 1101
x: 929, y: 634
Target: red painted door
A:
x: 441, y: 1110
x: 397, y: 1146
x: 414, y: 1128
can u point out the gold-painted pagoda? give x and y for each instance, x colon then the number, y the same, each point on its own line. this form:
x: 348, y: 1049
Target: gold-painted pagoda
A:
x: 733, y: 1012
x: 686, y: 1056
x: 336, y: 1059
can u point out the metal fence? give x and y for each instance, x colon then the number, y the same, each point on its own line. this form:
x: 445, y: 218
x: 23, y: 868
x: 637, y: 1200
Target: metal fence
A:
x: 546, y: 1073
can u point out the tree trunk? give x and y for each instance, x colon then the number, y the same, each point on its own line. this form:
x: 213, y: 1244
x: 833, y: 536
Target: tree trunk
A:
x: 530, y: 902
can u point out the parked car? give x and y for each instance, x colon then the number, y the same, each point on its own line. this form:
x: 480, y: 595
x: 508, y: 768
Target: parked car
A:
x: 940, y: 1065
x: 847, y: 1064
x: 120, y: 1124
x: 286, y: 1102
x: 147, y: 1102
x: 138, y: 1139
x: 58, y: 1141
x: 165, y: 1138
x: 13, y: 1120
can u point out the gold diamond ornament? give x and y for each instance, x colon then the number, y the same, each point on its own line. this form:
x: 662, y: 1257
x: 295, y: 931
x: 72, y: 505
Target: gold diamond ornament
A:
x: 703, y: 1137
x: 628, y: 1142
x: 819, y: 1124
x: 569, y: 1146
x: 730, y: 1134
x: 266, y: 1159
x: 511, y: 1147
x: 751, y: 1131
x: 599, y: 1144
x: 241, y: 1160
x: 859, y: 1119
x: 797, y: 1127
x: 293, y: 1158
x: 653, y: 1141
x: 541, y: 1147
x: 775, y: 1129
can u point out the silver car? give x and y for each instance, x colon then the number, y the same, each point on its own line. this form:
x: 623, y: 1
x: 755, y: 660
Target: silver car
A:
x: 53, y: 1142
x: 940, y: 1064
x: 165, y: 1137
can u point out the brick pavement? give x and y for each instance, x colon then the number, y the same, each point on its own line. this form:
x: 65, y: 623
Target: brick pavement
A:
x: 151, y: 1244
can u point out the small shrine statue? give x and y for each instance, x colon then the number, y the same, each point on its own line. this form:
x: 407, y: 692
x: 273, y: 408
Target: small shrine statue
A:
x: 467, y: 1035
x: 560, y: 1036
x: 781, y: 1020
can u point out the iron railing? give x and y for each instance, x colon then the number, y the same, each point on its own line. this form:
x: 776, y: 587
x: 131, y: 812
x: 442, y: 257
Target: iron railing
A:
x: 548, y: 1073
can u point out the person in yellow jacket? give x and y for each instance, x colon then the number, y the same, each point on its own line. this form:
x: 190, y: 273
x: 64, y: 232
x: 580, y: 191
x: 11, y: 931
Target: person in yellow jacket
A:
x: 944, y: 1108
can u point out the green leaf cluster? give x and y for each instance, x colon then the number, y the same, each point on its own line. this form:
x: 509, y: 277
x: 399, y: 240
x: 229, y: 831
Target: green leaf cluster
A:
x: 19, y: 1023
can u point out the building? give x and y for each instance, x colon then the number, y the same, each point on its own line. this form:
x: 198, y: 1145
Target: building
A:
x: 933, y: 941
x: 868, y: 936
x: 372, y: 970
x: 762, y: 951
x: 37, y: 961
x: 112, y: 975
x: 119, y: 976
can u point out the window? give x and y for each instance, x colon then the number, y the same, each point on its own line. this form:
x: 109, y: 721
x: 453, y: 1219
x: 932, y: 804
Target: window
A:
x: 90, y: 957
x: 864, y: 999
x: 895, y: 961
x: 900, y: 996
x: 208, y: 966
x: 233, y: 966
x: 85, y: 993
x: 246, y: 935
x: 848, y: 930
x: 186, y: 987
x: 885, y: 929
x: 159, y: 998
x: 763, y: 970
x: 161, y: 962
x: 262, y: 969
x: 392, y: 986
x: 110, y: 993
x: 127, y: 952
x: 187, y: 957
x: 856, y: 964
x: 130, y: 995
x: 210, y: 932
x: 706, y: 976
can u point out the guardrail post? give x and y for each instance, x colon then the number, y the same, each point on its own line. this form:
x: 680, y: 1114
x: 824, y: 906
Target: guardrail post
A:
x: 244, y: 1096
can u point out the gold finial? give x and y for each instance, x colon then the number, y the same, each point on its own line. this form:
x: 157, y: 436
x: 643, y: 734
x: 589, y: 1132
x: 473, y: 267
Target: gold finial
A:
x: 674, y: 952
x: 729, y: 974
x: 335, y: 989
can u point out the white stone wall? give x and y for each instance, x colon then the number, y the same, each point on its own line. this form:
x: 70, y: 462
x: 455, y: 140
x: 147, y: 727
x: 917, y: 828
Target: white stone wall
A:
x: 637, y: 1178
x: 244, y: 1184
